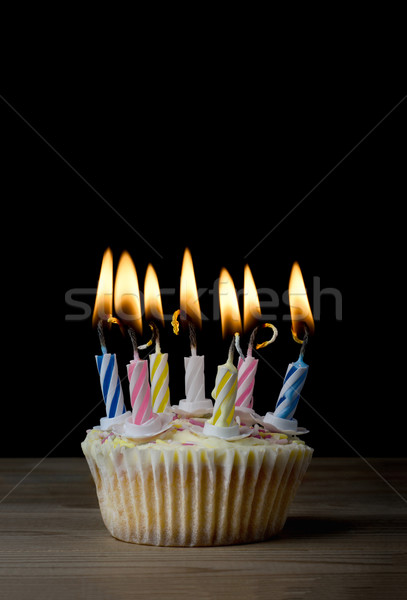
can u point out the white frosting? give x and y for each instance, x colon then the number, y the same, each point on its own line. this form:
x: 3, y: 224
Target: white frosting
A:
x: 197, y: 408
x: 154, y: 426
x: 186, y: 433
x: 247, y: 415
x: 107, y: 424
x: 234, y: 432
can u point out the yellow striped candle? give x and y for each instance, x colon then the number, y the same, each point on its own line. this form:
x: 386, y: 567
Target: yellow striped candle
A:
x: 160, y: 393
x: 222, y: 423
x: 159, y: 381
x: 224, y: 394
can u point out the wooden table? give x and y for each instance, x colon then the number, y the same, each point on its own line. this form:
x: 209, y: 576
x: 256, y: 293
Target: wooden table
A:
x: 345, y: 538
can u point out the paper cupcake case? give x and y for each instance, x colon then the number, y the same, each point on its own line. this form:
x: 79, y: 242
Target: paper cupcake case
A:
x: 195, y: 496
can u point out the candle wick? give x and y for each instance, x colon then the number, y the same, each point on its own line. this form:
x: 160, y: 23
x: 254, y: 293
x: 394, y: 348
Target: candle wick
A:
x: 101, y: 334
x: 231, y: 353
x: 238, y: 347
x: 156, y: 337
x: 263, y: 344
x: 304, y: 342
x: 151, y: 341
x: 251, y: 341
x: 192, y: 338
x: 174, y: 322
x: 133, y: 337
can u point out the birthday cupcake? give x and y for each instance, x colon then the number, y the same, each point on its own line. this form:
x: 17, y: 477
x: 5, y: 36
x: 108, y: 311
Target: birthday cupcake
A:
x: 167, y: 480
x: 196, y: 473
x: 185, y: 488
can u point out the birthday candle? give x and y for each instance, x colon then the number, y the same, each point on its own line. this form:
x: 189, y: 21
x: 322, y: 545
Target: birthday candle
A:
x: 140, y: 393
x: 194, y: 378
x: 302, y: 323
x: 106, y: 363
x: 247, y: 367
x: 245, y: 381
x: 110, y: 384
x: 290, y: 392
x: 127, y: 305
x: 159, y: 378
x: 224, y: 394
x: 190, y: 313
x: 159, y: 373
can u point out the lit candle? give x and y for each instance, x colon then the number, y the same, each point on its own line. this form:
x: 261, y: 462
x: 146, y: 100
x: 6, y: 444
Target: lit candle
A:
x: 302, y: 326
x: 143, y: 422
x: 195, y: 403
x: 106, y: 362
x: 159, y: 372
x: 222, y: 423
x: 127, y: 306
x: 247, y: 366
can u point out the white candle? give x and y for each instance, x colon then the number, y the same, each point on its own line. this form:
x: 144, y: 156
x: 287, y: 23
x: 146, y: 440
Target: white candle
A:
x: 194, y: 378
x: 194, y: 403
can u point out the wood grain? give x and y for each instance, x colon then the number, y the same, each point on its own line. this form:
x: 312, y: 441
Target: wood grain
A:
x: 345, y: 538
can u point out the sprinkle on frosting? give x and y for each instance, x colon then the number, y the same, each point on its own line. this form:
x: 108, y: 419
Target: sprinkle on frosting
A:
x: 189, y: 432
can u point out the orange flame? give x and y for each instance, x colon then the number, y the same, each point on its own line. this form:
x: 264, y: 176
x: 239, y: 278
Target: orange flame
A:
x: 229, y: 306
x: 152, y: 296
x: 301, y: 314
x: 127, y: 293
x: 104, y: 293
x: 251, y: 305
x: 189, y: 301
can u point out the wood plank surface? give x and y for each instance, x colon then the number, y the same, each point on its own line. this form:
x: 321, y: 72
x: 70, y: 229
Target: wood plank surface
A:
x: 345, y: 538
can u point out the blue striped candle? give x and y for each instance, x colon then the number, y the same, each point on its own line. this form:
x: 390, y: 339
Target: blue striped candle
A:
x: 290, y: 392
x: 110, y: 384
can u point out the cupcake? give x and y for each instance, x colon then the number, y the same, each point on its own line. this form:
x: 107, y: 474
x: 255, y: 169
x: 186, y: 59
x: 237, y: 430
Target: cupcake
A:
x: 192, y: 474
x: 185, y: 487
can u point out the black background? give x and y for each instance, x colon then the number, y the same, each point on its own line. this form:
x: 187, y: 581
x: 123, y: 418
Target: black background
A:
x: 241, y: 161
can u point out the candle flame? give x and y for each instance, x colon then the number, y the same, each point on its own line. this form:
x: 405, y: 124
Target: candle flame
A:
x: 301, y: 314
x: 251, y: 305
x: 189, y: 300
x: 104, y: 293
x: 229, y: 306
x: 127, y: 293
x: 152, y: 296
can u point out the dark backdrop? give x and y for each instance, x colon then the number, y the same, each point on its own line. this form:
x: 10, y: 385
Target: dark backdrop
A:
x: 243, y: 163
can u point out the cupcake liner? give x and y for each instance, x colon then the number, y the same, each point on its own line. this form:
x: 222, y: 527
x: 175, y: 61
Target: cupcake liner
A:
x: 195, y: 496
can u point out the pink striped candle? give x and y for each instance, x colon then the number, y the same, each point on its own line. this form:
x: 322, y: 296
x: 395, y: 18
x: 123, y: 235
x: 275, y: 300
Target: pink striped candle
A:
x: 140, y: 393
x: 245, y: 381
x: 247, y: 367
